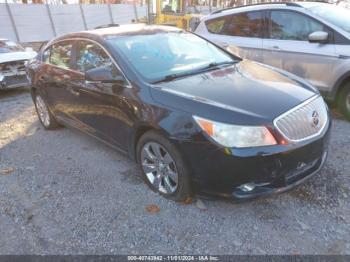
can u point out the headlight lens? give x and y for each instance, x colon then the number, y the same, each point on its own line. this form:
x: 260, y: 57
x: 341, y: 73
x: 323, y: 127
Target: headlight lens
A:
x: 236, y: 136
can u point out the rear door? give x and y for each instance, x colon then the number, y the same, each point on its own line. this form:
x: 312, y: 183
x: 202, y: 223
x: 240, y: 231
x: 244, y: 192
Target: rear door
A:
x: 242, y: 32
x: 287, y: 47
x: 55, y: 76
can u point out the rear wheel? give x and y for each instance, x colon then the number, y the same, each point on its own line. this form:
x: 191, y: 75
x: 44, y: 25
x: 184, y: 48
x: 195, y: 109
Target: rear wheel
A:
x: 344, y: 101
x: 162, y: 167
x: 46, y: 118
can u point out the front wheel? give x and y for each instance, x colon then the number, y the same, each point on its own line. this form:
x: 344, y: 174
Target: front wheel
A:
x: 162, y: 166
x: 344, y: 101
x: 46, y: 118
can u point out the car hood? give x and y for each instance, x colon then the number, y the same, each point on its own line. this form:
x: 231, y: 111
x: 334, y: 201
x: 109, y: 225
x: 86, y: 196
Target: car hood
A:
x: 16, y: 56
x: 245, y: 93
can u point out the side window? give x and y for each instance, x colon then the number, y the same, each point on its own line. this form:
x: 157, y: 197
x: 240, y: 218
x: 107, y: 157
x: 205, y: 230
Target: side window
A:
x: 287, y: 25
x: 61, y: 54
x: 90, y: 55
x: 171, y: 6
x: 216, y: 25
x: 248, y: 24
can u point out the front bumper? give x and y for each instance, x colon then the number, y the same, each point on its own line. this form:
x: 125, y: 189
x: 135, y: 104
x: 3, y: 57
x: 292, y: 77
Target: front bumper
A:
x: 274, y: 169
x: 268, y: 189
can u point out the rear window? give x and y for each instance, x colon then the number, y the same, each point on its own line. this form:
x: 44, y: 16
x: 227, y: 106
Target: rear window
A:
x: 248, y: 24
x: 216, y: 26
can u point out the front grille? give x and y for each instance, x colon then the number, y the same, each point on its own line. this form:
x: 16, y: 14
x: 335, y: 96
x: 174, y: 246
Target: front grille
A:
x: 16, y: 80
x: 10, y: 68
x: 304, y: 121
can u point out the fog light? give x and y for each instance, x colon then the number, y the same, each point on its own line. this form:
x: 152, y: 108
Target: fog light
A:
x: 247, y: 187
x: 251, y: 186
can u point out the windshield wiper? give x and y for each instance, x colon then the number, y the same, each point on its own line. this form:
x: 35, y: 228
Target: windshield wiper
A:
x: 172, y: 77
x: 215, y: 64
x: 210, y: 66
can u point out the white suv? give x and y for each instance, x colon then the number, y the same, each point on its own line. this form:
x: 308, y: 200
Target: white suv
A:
x: 308, y: 39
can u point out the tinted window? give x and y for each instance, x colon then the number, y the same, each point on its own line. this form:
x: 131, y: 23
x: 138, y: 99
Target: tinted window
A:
x: 216, y: 26
x: 245, y: 25
x: 90, y: 55
x: 286, y: 25
x: 61, y: 54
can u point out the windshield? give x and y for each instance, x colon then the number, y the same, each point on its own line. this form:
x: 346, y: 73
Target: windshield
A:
x: 160, y: 55
x: 9, y: 46
x: 336, y: 15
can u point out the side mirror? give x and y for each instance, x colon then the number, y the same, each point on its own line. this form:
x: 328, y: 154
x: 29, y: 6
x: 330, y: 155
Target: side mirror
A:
x: 28, y: 49
x: 103, y: 75
x: 318, y: 37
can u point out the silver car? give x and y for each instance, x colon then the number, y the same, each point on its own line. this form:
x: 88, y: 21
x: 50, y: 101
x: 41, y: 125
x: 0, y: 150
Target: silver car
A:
x: 308, y: 39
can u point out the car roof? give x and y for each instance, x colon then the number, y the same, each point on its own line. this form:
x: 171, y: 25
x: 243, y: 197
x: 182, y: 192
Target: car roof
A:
x: 121, y: 30
x: 133, y: 29
x: 264, y: 6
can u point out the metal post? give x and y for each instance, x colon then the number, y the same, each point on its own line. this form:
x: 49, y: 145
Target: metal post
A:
x: 83, y: 16
x: 148, y: 11
x: 12, y: 21
x: 135, y: 11
x: 110, y: 13
x: 51, y: 20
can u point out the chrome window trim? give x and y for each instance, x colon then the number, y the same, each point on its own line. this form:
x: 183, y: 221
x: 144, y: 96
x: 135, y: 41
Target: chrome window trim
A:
x: 296, y: 108
x: 128, y: 85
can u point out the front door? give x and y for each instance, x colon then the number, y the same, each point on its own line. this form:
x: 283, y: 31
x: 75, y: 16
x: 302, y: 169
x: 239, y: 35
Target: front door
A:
x: 288, y: 47
x: 102, y: 109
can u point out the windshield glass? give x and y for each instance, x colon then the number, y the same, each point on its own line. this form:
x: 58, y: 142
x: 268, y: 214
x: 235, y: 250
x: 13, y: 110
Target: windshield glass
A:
x: 157, y: 56
x: 9, y: 46
x: 336, y: 15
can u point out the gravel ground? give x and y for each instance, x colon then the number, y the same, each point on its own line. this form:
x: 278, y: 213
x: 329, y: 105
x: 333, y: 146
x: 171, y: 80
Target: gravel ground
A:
x: 62, y: 192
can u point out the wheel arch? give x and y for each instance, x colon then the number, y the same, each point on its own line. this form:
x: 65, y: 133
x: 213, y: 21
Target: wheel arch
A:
x: 340, y: 84
x: 140, y: 130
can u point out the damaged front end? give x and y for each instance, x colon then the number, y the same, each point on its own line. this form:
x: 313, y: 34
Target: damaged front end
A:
x: 13, y: 74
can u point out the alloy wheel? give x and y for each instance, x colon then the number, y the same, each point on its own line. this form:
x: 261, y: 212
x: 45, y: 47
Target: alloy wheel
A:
x: 43, y: 111
x: 159, y: 167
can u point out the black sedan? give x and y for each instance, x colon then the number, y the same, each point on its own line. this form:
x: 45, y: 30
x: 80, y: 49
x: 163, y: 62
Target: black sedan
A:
x: 195, y: 118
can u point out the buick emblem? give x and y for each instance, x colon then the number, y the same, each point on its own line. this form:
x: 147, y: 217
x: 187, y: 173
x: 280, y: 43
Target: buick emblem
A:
x: 315, y: 118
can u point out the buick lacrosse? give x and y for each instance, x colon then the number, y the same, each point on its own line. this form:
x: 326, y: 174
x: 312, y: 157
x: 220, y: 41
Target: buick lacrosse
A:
x: 195, y: 118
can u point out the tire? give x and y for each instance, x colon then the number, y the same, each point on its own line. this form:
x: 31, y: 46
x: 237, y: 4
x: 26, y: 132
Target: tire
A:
x: 46, y: 118
x: 165, y: 185
x: 344, y: 101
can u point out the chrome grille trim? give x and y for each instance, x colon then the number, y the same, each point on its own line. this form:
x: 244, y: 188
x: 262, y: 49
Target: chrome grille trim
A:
x: 295, y: 125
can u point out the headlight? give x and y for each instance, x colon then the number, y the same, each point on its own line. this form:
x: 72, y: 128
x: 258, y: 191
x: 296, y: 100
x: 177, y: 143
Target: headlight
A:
x: 236, y: 136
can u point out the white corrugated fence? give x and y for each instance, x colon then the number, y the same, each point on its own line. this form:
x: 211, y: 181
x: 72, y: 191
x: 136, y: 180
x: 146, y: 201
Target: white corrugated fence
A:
x: 35, y: 23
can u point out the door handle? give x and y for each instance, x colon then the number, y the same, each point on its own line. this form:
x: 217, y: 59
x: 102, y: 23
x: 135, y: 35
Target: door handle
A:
x: 72, y: 91
x: 76, y: 93
x: 275, y: 48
